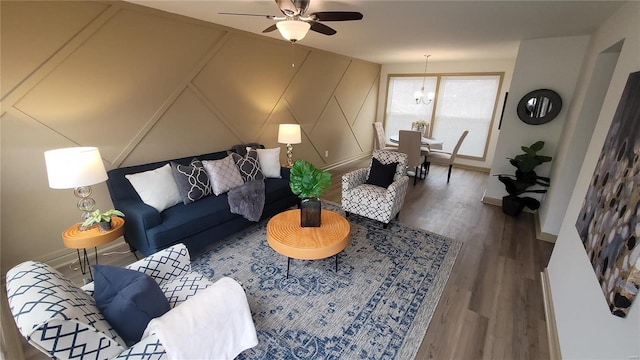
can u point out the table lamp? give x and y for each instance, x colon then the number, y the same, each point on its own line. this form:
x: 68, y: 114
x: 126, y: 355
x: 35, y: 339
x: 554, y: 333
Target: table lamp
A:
x: 76, y: 168
x: 289, y: 134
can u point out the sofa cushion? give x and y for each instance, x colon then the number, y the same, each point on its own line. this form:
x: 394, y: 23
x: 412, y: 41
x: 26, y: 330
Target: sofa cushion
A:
x: 156, y: 188
x: 128, y: 299
x: 192, y: 181
x: 248, y: 165
x: 180, y: 222
x: 223, y: 174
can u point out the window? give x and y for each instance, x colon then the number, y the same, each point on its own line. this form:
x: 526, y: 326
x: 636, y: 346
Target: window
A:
x: 402, y: 109
x: 463, y: 102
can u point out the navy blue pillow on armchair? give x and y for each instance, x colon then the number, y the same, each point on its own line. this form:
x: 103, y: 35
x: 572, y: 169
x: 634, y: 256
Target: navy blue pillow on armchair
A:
x: 128, y: 299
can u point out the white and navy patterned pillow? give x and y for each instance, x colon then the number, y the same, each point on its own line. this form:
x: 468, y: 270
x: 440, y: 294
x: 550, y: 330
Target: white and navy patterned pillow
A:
x: 249, y: 165
x: 193, y: 181
x: 223, y: 174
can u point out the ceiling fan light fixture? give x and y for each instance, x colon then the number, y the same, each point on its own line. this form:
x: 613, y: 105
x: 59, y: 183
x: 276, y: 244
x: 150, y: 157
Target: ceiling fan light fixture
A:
x: 293, y: 30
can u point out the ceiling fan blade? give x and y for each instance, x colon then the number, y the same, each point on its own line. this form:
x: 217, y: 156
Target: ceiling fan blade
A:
x: 240, y: 14
x: 336, y: 15
x: 322, y: 28
x: 270, y: 28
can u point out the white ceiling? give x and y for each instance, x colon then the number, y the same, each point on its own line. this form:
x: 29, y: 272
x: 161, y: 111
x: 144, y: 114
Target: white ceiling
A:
x: 403, y: 31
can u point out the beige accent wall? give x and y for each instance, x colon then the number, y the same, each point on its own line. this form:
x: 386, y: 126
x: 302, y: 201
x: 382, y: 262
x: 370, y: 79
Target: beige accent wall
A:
x: 143, y: 85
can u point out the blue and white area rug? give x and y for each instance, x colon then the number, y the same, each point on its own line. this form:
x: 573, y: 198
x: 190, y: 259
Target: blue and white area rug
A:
x: 377, y: 306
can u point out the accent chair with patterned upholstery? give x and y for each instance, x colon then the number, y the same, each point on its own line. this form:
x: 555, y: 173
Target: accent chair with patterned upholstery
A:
x: 63, y: 321
x: 372, y: 201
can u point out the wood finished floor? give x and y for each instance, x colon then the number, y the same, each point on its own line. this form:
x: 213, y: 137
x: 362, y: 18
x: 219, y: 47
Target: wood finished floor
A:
x: 492, y: 305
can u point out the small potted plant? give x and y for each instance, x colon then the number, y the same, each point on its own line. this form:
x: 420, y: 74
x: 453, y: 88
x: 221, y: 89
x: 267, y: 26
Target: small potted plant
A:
x: 103, y: 219
x: 524, y: 179
x: 309, y: 183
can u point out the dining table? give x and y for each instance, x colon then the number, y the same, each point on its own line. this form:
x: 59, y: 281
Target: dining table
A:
x: 431, y: 143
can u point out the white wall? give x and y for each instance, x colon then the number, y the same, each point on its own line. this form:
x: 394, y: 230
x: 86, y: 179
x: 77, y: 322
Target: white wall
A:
x: 586, y: 328
x: 454, y: 67
x: 575, y: 137
x: 551, y: 63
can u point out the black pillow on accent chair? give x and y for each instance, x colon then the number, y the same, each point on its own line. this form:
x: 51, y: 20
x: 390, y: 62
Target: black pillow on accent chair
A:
x: 381, y: 174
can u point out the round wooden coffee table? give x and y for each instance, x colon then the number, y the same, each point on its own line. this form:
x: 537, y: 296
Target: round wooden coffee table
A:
x: 287, y: 237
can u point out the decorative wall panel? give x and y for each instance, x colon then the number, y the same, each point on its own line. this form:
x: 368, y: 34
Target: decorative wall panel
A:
x: 33, y: 32
x: 354, y: 88
x: 246, y: 79
x: 314, y: 86
x: 174, y: 129
x: 117, y: 80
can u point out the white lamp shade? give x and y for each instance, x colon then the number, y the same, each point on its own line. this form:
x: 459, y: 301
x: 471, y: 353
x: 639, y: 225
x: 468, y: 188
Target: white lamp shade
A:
x: 289, y: 134
x: 293, y: 30
x: 70, y: 168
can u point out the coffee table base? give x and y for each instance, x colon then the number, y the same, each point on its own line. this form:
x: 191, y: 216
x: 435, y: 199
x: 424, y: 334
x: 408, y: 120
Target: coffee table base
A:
x: 289, y: 264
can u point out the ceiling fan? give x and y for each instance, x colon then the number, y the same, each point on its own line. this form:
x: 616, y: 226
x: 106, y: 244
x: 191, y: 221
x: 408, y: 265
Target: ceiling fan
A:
x: 295, y: 23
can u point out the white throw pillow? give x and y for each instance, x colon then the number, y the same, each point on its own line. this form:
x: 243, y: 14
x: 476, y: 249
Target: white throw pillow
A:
x: 270, y: 162
x: 156, y: 188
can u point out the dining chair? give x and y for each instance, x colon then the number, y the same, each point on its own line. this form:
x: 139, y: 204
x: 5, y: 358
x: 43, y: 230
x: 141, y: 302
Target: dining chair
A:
x: 380, y: 139
x: 409, y: 143
x: 443, y: 157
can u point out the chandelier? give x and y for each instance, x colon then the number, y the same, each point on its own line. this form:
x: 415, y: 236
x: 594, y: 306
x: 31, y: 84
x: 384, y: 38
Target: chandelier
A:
x: 419, y: 95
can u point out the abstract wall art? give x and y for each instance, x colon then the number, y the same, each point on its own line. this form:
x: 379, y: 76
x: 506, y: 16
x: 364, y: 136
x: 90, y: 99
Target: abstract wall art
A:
x: 609, y: 221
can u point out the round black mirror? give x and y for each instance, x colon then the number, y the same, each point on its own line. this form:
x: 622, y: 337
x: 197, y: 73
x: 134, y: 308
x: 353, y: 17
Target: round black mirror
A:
x: 539, y: 106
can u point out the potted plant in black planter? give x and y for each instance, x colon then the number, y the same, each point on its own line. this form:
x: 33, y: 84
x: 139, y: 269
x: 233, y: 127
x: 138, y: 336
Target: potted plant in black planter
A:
x: 103, y: 219
x: 309, y: 183
x: 524, y: 179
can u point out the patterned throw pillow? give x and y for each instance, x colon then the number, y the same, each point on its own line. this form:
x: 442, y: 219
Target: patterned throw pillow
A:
x: 223, y: 174
x: 249, y: 166
x: 193, y: 181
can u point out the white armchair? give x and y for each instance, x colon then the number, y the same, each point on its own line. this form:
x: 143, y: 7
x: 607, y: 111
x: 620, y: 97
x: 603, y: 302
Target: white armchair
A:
x: 373, y: 201
x: 62, y: 320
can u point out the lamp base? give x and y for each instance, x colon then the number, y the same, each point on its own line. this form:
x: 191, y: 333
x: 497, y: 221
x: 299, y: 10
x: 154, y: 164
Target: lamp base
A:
x: 289, y: 155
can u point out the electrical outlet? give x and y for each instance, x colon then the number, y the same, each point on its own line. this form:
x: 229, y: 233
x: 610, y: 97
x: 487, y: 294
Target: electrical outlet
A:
x: 326, y: 153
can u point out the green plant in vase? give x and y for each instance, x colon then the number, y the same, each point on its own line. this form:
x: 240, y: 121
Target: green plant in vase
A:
x: 524, y: 179
x: 309, y: 184
x: 103, y: 219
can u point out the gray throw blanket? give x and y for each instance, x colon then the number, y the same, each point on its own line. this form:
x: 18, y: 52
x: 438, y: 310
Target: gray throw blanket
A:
x: 248, y: 200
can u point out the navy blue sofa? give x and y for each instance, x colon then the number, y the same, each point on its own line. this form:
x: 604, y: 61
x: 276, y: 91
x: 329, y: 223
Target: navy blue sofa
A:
x: 196, y: 225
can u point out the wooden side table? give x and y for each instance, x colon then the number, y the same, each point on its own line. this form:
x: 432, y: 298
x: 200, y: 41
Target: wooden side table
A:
x: 74, y: 238
x: 287, y: 237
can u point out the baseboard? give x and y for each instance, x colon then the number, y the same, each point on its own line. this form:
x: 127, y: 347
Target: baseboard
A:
x: 491, y: 201
x: 550, y: 317
x: 347, y: 161
x: 472, y: 168
x: 540, y: 235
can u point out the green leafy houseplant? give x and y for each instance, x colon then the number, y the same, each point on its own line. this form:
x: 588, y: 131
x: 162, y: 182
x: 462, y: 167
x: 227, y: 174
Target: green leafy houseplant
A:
x: 524, y: 179
x: 309, y: 183
x: 101, y: 218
